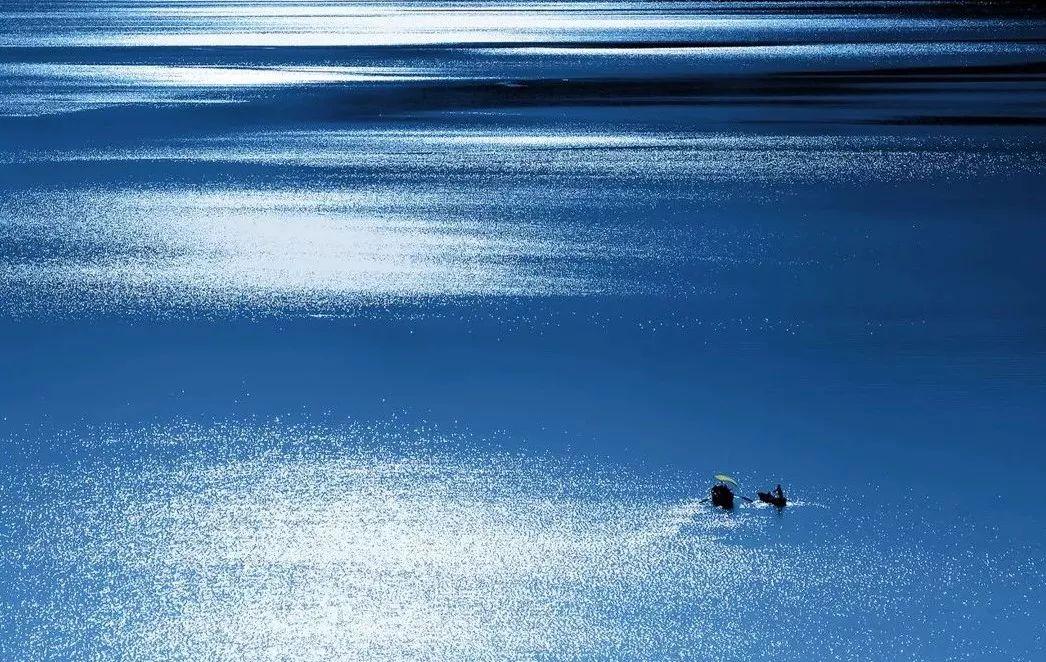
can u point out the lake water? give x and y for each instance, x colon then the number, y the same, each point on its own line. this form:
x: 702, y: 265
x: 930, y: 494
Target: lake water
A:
x: 417, y: 331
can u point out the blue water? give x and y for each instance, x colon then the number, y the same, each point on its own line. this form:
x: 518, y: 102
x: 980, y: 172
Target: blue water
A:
x: 372, y: 331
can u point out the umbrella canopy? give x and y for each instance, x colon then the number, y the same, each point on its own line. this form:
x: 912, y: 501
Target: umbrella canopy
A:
x: 726, y: 479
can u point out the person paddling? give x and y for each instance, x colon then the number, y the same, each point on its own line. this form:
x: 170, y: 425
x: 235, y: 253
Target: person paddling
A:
x: 722, y: 496
x: 774, y: 498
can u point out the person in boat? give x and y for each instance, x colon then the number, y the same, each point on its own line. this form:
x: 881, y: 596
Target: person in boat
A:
x: 722, y: 496
x: 774, y: 498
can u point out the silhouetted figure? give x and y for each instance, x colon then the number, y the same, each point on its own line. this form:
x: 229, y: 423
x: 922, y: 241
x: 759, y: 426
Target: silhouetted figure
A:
x: 775, y: 498
x: 722, y: 496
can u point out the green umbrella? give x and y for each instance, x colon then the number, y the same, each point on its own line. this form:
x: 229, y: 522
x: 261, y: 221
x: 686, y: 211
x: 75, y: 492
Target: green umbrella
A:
x: 726, y: 479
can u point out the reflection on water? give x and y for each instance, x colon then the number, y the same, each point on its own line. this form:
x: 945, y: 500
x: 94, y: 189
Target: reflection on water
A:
x: 383, y: 216
x: 297, y: 24
x: 273, y: 250
x: 800, y: 240
x: 503, y: 150
x: 275, y: 542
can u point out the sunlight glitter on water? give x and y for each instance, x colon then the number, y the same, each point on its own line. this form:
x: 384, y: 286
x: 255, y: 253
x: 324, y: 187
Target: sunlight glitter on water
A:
x: 323, y: 24
x: 733, y: 171
x: 273, y: 249
x: 201, y: 76
x: 421, y: 214
x: 48, y: 88
x: 271, y: 548
x: 579, y: 154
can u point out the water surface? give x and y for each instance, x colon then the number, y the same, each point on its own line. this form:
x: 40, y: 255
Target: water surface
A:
x: 416, y: 331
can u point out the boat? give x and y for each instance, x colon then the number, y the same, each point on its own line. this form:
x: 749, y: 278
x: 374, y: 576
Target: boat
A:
x: 775, y: 498
x: 722, y: 497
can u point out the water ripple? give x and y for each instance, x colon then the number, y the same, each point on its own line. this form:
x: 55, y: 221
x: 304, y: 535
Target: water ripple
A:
x: 312, y: 544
